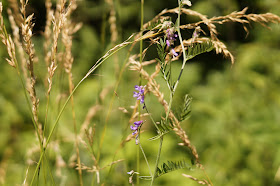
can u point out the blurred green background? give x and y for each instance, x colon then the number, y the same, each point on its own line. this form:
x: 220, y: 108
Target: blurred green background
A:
x: 235, y: 121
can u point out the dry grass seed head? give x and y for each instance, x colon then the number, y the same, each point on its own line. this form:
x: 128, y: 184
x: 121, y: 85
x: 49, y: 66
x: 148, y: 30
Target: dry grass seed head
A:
x: 89, y: 150
x: 48, y: 31
x: 19, y: 46
x: 90, y: 114
x: 13, y: 4
x: 26, y: 28
x: 201, y: 182
x: 58, y: 21
x: 11, y: 51
x: 235, y: 16
x: 59, y: 163
x: 68, y: 30
x: 7, y: 41
x: 112, y: 21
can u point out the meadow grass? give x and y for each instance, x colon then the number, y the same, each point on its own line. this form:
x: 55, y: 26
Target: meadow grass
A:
x: 89, y: 157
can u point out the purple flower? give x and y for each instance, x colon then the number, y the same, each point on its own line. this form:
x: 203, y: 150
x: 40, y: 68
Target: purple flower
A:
x: 135, y: 128
x: 168, y: 43
x: 140, y: 94
x: 170, y: 36
x: 195, y: 34
x: 174, y: 53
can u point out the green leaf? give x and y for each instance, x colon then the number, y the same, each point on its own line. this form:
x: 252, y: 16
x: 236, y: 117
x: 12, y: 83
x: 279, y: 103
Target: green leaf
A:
x: 185, y: 112
x: 164, y: 129
x: 164, y: 67
x: 171, y: 166
x: 199, y: 48
x: 145, y: 177
x: 177, y: 24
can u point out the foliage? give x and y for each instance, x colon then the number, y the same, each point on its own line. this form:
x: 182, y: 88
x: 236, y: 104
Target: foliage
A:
x: 171, y: 166
x: 231, y: 136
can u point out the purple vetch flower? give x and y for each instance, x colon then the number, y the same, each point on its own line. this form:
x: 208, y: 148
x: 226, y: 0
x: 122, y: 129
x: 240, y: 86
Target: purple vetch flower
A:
x: 140, y: 94
x: 170, y: 36
x: 168, y: 43
x: 174, y: 53
x: 135, y: 128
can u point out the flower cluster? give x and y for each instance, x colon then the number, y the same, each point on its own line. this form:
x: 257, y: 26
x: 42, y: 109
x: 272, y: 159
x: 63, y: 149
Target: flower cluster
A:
x: 170, y: 38
x: 140, y: 94
x: 135, y: 128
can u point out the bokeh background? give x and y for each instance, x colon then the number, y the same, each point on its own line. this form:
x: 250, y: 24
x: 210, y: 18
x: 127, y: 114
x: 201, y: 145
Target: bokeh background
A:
x: 235, y: 118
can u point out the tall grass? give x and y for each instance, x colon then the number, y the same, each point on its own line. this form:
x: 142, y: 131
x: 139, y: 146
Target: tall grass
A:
x: 162, y: 33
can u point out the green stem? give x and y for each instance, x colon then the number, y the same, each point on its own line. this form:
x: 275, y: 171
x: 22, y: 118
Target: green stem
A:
x: 157, y: 160
x: 153, y: 121
x: 140, y: 78
x: 145, y: 157
x: 142, y: 23
x: 182, y: 45
x: 46, y: 115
